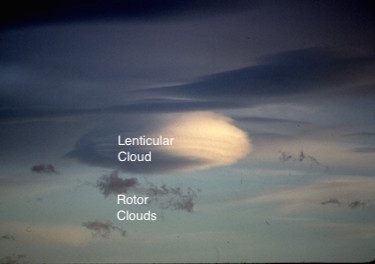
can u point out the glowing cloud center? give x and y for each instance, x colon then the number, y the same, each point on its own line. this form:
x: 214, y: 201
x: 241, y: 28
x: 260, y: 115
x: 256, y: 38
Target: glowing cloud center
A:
x: 207, y: 137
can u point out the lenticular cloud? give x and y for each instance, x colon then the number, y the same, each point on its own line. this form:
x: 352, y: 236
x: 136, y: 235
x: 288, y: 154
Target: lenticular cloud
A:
x: 202, y: 140
x: 208, y: 137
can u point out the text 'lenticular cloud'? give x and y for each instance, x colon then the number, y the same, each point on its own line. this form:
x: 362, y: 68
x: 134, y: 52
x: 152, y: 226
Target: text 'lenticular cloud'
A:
x: 202, y: 140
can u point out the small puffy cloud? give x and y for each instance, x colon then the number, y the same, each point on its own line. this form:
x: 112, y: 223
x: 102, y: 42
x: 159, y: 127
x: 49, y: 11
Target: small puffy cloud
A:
x: 202, y: 140
x: 331, y: 201
x: 301, y: 157
x: 103, y: 229
x: 43, y: 168
x: 113, y: 184
x: 359, y: 204
x: 8, y: 237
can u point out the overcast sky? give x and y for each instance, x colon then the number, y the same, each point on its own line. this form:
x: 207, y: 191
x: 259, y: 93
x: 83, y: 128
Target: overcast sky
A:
x: 271, y: 105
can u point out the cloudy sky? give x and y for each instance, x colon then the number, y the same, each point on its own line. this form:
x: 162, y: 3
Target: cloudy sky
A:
x: 271, y: 105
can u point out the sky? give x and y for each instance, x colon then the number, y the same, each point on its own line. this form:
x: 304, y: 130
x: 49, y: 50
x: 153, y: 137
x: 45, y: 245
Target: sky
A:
x: 270, y: 104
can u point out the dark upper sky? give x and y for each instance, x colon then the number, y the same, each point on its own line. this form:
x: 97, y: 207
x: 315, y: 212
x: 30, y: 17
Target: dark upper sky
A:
x: 20, y: 14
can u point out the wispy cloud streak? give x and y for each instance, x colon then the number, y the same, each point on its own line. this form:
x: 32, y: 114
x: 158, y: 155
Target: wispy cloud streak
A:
x: 102, y: 229
x: 173, y: 198
x: 354, y: 204
x: 301, y: 157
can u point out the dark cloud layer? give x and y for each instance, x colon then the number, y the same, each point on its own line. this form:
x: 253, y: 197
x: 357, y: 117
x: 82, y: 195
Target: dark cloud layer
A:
x: 102, y: 229
x: 290, y: 73
x: 42, y: 12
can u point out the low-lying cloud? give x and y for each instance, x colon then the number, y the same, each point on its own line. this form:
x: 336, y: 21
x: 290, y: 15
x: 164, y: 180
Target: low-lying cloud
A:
x: 353, y: 204
x: 331, y: 201
x: 43, y: 168
x: 164, y: 196
x: 343, y: 192
x: 102, y: 229
x: 173, y: 198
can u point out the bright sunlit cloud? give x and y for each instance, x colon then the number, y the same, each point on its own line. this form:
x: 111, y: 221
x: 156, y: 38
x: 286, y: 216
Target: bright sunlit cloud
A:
x: 208, y: 137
